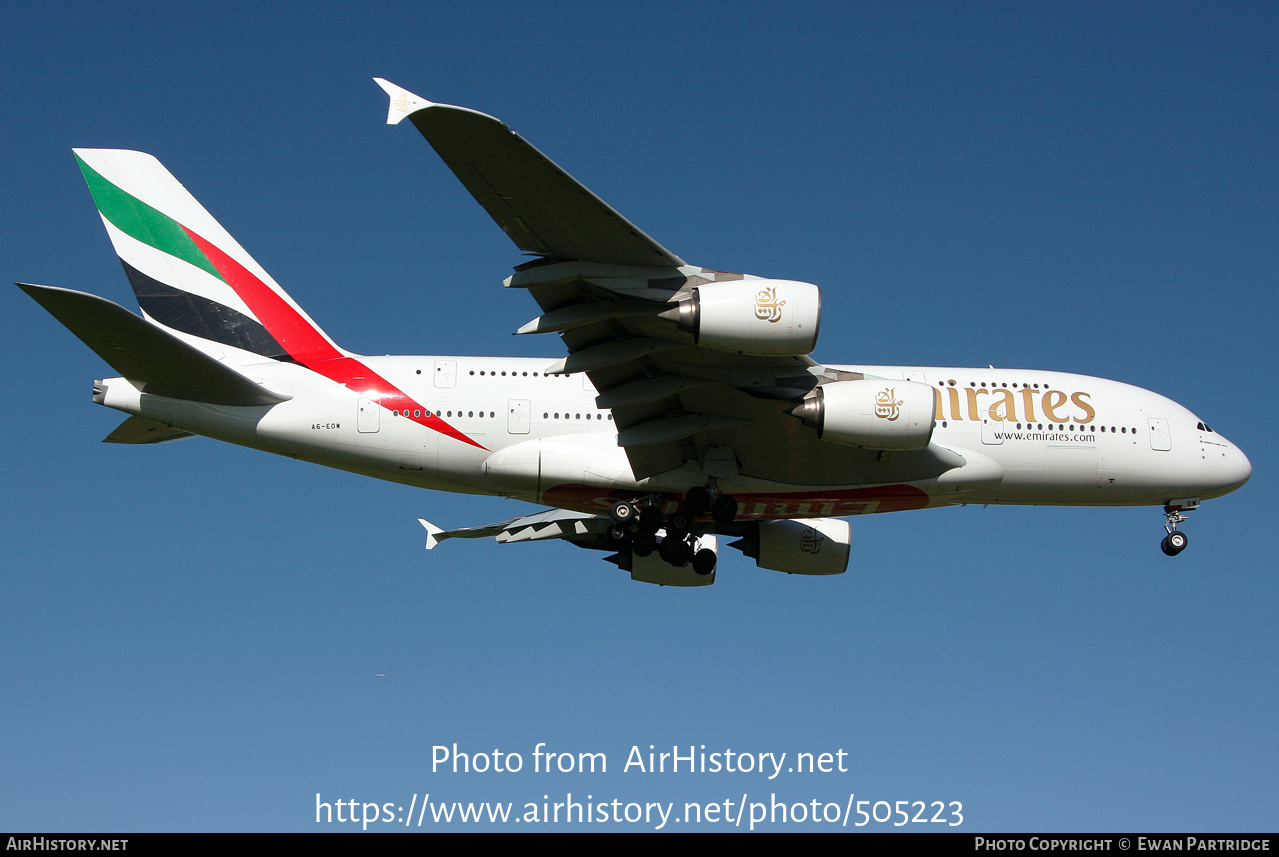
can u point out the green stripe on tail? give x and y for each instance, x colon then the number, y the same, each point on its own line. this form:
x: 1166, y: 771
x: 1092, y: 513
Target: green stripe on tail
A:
x: 138, y: 220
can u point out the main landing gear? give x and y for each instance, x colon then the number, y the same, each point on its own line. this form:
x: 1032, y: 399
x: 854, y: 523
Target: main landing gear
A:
x: 699, y: 500
x: 641, y: 525
x: 1174, y: 513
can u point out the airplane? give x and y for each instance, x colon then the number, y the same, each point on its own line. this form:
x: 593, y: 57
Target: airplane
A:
x: 687, y: 408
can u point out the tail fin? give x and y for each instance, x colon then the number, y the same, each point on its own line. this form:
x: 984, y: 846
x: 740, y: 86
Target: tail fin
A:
x: 188, y: 273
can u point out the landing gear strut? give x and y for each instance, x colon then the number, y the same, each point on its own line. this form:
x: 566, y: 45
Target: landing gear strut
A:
x: 1174, y: 513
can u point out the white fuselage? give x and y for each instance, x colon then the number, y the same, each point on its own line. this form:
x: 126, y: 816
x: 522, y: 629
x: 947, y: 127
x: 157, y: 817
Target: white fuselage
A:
x: 1026, y: 437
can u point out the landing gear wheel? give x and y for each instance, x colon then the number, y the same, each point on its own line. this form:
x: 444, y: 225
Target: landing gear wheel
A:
x: 617, y: 536
x: 643, y: 543
x: 1174, y: 543
x: 704, y: 561
x: 724, y: 510
x: 677, y: 552
x: 622, y: 513
x: 650, y: 519
x: 697, y: 501
x: 677, y: 525
x: 1174, y: 514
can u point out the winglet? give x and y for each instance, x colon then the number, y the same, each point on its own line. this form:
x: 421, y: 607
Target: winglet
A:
x: 431, y: 531
x: 403, y: 102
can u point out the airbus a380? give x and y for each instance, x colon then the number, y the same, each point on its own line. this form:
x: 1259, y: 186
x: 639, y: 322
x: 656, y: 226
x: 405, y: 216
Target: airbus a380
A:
x: 686, y: 409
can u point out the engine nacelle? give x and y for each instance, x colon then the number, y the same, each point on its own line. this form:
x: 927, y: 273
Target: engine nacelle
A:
x: 876, y: 414
x: 806, y: 546
x: 753, y: 316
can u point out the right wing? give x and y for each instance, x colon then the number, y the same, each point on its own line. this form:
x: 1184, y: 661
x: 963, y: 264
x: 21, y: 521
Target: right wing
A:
x: 585, y: 531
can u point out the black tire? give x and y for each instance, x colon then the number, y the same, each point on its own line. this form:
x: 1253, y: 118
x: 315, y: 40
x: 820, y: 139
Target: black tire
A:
x: 678, y: 525
x: 677, y: 552
x: 643, y: 543
x: 724, y: 509
x: 617, y: 537
x: 622, y: 513
x: 697, y: 501
x: 704, y: 561
x: 1174, y: 543
x: 650, y: 519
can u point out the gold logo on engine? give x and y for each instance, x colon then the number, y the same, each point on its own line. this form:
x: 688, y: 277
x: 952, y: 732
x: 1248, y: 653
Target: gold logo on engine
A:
x: 887, y: 406
x: 811, y: 541
x: 767, y: 306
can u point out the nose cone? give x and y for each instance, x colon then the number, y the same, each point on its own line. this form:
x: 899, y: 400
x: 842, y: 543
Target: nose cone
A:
x: 1240, y: 468
x: 1231, y: 471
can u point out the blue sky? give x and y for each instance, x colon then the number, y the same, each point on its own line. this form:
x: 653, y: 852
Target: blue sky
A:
x: 193, y: 634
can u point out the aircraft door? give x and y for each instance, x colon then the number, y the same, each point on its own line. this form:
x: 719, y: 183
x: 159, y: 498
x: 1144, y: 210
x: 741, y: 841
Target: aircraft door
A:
x: 369, y: 415
x: 517, y: 416
x: 1160, y: 436
x: 989, y: 436
x: 445, y: 373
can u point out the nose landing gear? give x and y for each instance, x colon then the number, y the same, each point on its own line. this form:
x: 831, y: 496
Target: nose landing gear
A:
x: 1174, y: 543
x: 1174, y: 513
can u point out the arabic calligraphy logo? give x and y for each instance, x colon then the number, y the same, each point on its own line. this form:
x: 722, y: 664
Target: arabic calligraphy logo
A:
x: 811, y: 541
x: 401, y: 102
x: 767, y: 306
x: 887, y: 405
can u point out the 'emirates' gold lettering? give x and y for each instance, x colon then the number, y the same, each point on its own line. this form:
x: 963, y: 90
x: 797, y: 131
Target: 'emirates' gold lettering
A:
x: 1054, y: 404
x: 973, y: 412
x: 1008, y: 403
x: 1079, y: 399
x: 1028, y: 398
x: 1054, y: 399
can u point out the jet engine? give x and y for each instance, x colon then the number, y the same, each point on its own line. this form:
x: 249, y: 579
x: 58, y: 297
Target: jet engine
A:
x: 807, y: 546
x: 752, y: 316
x: 876, y: 414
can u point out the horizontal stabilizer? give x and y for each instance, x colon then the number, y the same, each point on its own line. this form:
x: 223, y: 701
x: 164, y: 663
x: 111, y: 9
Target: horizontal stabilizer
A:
x: 543, y: 209
x: 143, y: 430
x: 153, y: 360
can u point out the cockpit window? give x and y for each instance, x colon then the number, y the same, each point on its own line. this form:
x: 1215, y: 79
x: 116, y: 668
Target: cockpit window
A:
x: 1203, y: 426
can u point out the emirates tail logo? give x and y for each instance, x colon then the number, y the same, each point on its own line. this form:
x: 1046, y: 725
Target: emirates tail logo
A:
x: 887, y: 405
x: 767, y: 307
